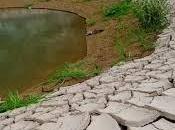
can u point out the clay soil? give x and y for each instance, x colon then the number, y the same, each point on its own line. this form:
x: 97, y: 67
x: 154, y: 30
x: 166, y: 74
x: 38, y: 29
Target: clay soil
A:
x: 100, y: 47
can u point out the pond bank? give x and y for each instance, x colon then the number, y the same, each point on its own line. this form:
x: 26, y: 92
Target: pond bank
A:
x: 101, y: 48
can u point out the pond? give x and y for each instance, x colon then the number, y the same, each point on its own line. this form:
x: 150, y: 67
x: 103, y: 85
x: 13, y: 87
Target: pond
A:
x: 34, y: 42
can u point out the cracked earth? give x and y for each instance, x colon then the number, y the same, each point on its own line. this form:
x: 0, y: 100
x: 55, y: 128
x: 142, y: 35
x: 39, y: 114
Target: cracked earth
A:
x: 139, y: 95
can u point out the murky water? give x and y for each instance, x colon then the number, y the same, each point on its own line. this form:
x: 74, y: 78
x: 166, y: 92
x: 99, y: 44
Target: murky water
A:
x: 33, y: 43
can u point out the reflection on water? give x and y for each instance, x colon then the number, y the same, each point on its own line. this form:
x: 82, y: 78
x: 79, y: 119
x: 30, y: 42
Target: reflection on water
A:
x: 34, y: 42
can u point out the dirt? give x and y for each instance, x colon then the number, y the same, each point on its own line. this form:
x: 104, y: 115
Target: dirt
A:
x: 100, y: 47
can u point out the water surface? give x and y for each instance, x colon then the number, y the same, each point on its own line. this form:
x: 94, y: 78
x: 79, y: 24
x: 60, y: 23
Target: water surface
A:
x: 33, y: 43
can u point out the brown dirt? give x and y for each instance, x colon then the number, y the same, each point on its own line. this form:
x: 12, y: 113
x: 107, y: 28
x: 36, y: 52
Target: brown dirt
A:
x: 101, y: 48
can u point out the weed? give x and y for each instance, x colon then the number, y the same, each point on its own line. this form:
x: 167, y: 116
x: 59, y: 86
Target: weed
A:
x: 121, y: 50
x: 73, y: 71
x: 14, y: 100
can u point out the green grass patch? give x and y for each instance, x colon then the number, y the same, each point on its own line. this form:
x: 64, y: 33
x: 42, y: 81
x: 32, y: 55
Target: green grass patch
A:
x: 14, y: 100
x: 73, y: 71
x: 118, y: 9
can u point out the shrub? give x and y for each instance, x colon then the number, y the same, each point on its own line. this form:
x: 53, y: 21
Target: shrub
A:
x: 152, y: 14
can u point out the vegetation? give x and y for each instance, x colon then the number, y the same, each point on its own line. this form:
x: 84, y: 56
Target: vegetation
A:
x: 90, y: 22
x: 137, y: 24
x: 73, y: 71
x: 152, y: 14
x: 14, y: 100
x: 134, y: 35
x: 117, y: 10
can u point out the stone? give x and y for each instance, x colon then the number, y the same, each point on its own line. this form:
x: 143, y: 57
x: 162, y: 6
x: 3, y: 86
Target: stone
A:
x: 7, y: 121
x: 22, y: 116
x: 133, y: 78
x: 103, y: 91
x: 87, y: 101
x: 22, y: 125
x: 148, y: 127
x: 41, y: 118
x: 169, y: 92
x: 103, y: 122
x: 66, y: 97
x: 126, y: 87
x: 77, y: 98
x: 132, y: 65
x: 53, y: 103
x: 135, y: 116
x: 93, y: 81
x: 102, y: 100
x: 44, y: 109
x: 49, y: 126
x: 163, y: 124
x: 69, y: 122
x: 89, y: 95
x: 153, y: 66
x: 74, y: 122
x: 164, y: 104
x: 17, y: 111
x: 107, y: 79
x: 91, y: 107
x: 121, y: 96
x: 156, y: 87
x: 60, y: 110
x: 140, y: 99
x: 124, y: 114
x: 57, y: 93
x: 78, y: 88
x: 114, y: 107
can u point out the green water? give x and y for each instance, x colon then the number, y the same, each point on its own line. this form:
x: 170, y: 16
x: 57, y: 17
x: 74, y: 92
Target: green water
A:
x: 33, y: 43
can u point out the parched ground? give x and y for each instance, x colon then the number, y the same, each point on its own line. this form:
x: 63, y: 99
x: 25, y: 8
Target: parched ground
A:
x: 139, y: 95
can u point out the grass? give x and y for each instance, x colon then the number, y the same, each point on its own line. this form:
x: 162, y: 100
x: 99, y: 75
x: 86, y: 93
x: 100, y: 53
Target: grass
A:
x: 73, y: 71
x: 90, y: 22
x: 117, y: 10
x: 137, y: 24
x: 129, y: 34
x: 152, y: 14
x: 14, y: 100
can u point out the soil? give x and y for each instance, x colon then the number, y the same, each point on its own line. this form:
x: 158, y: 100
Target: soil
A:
x: 100, y: 47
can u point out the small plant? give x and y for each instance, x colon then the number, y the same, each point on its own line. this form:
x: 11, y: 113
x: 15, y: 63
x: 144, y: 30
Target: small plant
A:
x: 143, y: 37
x: 117, y: 10
x: 122, y: 52
x: 152, y: 14
x: 73, y: 71
x: 90, y: 22
x: 14, y: 100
